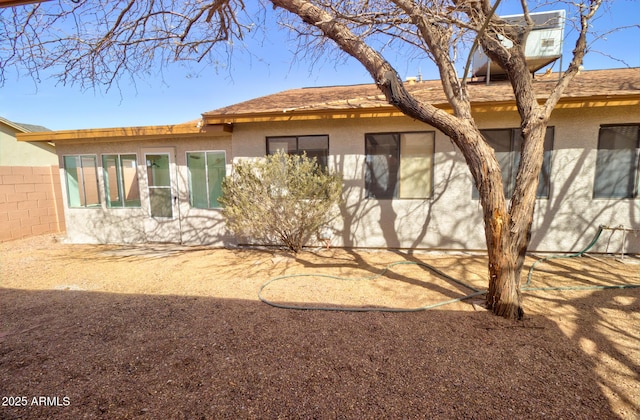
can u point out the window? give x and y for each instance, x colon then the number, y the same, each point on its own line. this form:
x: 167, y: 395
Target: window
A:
x: 507, y: 144
x: 121, y: 180
x: 206, y: 172
x: 313, y: 146
x: 82, y: 181
x: 399, y: 165
x: 617, y: 163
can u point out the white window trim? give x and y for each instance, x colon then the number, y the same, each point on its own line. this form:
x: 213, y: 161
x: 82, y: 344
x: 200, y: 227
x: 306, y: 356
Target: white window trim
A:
x: 104, y: 179
x: 66, y: 181
x: 186, y: 159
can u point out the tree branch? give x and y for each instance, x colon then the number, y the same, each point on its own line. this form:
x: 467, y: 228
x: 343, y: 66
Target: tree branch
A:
x: 384, y: 75
x: 579, y: 52
x: 474, y: 47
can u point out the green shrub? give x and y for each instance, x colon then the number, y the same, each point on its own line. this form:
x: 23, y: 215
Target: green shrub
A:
x: 281, y: 199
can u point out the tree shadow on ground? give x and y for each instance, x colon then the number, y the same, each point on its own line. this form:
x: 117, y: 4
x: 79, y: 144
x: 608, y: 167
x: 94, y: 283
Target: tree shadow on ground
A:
x: 215, y: 352
x: 119, y: 355
x: 605, y: 325
x: 394, y: 266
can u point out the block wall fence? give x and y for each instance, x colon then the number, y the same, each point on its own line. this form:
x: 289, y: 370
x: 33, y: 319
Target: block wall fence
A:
x: 30, y: 201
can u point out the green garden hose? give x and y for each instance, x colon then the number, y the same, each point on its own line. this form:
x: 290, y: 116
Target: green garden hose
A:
x: 595, y: 287
x: 577, y: 254
x: 476, y: 292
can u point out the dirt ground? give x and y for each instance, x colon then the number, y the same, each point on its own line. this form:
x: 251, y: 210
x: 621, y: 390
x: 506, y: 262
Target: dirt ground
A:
x: 174, y: 332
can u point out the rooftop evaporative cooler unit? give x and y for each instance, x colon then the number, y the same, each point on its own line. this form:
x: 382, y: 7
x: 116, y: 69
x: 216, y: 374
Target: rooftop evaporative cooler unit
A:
x: 544, y: 44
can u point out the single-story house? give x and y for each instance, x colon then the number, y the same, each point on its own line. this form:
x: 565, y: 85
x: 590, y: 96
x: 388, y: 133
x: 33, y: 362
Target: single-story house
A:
x: 30, y: 191
x: 405, y: 184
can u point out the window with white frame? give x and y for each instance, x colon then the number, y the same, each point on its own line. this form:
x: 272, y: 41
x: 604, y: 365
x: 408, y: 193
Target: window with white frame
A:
x: 313, y: 146
x: 399, y: 165
x: 618, y: 162
x: 206, y: 172
x: 507, y: 144
x: 81, y: 175
x: 121, y: 180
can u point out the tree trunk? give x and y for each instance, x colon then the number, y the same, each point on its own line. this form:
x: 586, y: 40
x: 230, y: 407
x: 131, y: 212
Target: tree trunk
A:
x: 503, y: 296
x: 507, y: 228
x: 507, y: 247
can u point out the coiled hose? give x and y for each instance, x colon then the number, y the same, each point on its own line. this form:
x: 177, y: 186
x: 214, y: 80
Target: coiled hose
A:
x: 475, y: 292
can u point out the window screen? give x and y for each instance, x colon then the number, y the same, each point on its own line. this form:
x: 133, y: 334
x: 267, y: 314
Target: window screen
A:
x: 507, y: 144
x: 617, y: 162
x: 399, y: 165
x: 314, y: 146
x: 416, y: 165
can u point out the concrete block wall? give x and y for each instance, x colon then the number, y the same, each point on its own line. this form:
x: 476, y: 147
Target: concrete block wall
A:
x: 30, y: 201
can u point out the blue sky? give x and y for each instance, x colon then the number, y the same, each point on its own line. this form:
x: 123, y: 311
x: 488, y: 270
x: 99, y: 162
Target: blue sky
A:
x: 179, y: 95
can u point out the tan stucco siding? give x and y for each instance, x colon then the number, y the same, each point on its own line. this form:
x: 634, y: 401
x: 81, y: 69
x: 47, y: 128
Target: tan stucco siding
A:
x: 398, y: 223
x: 451, y: 219
x: 569, y: 219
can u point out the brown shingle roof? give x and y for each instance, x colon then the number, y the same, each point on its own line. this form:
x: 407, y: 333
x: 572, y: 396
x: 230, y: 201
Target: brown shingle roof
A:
x: 588, y: 84
x: 591, y: 88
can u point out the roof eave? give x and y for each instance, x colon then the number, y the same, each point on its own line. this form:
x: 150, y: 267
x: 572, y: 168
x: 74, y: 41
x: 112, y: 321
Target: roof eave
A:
x: 222, y: 124
x: 301, y: 114
x: 306, y: 114
x: 97, y: 135
x: 13, y: 3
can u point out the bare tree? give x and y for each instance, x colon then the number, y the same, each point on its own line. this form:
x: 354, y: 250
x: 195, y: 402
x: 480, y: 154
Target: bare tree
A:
x: 125, y: 37
x: 94, y: 43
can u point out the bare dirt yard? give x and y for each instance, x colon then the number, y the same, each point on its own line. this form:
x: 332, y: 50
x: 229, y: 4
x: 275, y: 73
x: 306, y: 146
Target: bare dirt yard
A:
x: 174, y: 332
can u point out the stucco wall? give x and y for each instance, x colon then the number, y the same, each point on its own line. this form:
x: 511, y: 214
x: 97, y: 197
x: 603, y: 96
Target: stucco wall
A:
x: 15, y: 153
x: 569, y: 219
x: 451, y: 219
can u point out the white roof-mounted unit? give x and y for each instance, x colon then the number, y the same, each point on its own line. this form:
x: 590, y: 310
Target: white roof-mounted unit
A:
x: 544, y: 44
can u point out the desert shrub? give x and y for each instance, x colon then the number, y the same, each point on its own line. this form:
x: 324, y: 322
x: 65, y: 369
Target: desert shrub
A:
x: 281, y: 199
